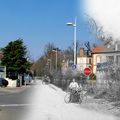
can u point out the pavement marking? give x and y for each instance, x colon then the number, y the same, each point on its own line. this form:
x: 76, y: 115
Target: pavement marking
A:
x: 15, y: 105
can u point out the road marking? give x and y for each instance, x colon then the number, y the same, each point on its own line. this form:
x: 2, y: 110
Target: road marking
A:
x: 15, y: 105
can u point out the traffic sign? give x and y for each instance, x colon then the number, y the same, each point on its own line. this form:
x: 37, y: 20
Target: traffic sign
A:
x: 87, y: 71
x: 74, y: 66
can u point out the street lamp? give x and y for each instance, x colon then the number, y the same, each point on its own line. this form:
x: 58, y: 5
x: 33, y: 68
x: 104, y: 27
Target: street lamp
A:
x: 49, y: 64
x: 55, y: 50
x: 75, y: 49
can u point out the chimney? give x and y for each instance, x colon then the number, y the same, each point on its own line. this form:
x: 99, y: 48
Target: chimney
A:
x: 81, y: 52
x: 116, y: 45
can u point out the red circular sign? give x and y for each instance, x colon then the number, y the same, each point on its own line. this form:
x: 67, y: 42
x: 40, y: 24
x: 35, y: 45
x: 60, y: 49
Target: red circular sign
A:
x: 87, y: 71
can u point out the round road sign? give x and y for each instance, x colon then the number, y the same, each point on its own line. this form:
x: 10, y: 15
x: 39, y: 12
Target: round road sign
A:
x: 87, y: 71
x: 74, y: 66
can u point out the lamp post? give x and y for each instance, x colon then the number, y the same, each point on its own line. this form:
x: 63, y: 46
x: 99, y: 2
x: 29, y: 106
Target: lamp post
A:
x: 75, y: 49
x: 49, y: 61
x: 56, y: 51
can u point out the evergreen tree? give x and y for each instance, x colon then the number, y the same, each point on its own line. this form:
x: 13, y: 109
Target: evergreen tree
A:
x: 15, y: 58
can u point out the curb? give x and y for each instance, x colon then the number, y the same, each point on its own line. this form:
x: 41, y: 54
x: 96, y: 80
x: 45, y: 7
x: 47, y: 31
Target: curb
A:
x: 13, y: 90
x: 53, y: 87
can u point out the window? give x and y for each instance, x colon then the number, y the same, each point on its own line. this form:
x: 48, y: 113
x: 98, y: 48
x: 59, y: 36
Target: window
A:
x: 98, y: 59
x: 89, y: 60
x: 110, y: 58
x: 118, y: 59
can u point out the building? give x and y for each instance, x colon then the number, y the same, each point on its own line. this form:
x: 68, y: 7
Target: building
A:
x: 11, y: 83
x: 83, y: 60
x: 103, y: 59
x: 2, y: 68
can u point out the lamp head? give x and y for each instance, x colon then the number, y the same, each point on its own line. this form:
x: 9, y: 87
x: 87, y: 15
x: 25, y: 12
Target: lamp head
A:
x: 70, y: 24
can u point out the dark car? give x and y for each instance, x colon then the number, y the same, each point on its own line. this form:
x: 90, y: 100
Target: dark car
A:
x: 3, y: 82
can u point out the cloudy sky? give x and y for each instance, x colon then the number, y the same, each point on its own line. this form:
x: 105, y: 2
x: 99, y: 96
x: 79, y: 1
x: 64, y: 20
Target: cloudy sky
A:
x: 106, y: 13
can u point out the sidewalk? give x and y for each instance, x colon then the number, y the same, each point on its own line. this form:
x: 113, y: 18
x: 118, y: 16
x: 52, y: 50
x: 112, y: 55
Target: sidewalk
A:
x: 13, y: 89
x: 99, y: 105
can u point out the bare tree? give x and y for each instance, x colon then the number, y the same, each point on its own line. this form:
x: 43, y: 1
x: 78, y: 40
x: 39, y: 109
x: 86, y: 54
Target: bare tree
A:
x: 68, y: 53
x: 48, y: 48
x: 98, y: 31
x: 46, y: 64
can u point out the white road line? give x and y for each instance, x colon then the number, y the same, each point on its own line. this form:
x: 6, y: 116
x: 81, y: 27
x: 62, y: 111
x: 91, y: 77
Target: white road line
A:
x: 15, y: 105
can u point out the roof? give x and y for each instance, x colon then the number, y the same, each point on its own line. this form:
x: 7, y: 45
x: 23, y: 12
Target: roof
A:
x: 104, y: 49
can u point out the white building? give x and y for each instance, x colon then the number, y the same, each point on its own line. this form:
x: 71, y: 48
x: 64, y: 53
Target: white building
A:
x: 83, y: 61
x: 104, y: 57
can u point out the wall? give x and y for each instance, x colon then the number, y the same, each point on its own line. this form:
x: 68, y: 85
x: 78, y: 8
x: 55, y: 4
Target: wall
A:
x: 82, y: 63
x: 101, y: 59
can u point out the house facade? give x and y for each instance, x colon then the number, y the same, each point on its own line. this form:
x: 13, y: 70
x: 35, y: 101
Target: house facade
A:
x: 105, y: 58
x: 2, y: 68
x: 83, y: 61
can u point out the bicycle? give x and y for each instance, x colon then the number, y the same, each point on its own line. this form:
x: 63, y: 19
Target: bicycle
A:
x: 79, y: 95
x: 45, y: 81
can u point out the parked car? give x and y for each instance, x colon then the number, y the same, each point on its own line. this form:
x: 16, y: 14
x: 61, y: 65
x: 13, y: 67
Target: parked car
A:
x: 3, y: 82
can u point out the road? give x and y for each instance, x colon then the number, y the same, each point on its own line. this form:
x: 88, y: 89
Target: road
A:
x: 49, y: 104
x: 44, y: 102
x: 14, y: 105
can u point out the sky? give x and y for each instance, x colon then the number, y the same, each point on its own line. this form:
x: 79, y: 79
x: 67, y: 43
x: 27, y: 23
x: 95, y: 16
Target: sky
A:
x: 107, y: 14
x: 39, y: 22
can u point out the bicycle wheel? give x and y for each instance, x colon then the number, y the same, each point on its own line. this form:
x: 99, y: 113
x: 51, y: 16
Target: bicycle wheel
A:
x: 83, y: 96
x: 80, y: 100
x: 67, y: 98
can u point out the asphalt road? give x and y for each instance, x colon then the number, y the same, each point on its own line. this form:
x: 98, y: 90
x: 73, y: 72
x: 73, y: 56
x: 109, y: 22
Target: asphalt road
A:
x: 15, y: 105
x: 44, y: 102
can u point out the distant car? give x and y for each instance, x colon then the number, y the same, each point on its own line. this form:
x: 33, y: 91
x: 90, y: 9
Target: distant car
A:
x: 3, y: 82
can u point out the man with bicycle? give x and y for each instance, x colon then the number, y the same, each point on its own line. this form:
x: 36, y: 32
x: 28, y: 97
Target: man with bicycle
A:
x: 73, y: 89
x: 73, y: 85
